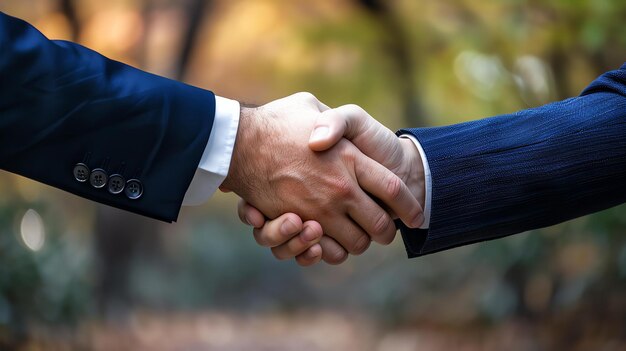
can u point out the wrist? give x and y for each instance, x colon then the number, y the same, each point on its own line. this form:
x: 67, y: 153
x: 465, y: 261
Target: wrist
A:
x: 413, y: 172
x: 241, y: 157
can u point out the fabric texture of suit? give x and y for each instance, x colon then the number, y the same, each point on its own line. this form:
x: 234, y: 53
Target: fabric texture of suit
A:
x: 62, y: 104
x: 534, y: 168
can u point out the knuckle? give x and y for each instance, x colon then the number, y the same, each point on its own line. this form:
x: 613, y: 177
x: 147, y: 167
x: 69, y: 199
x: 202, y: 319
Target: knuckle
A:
x: 349, y: 159
x: 345, y: 151
x: 344, y: 188
x: 348, y: 156
x: 305, y: 95
x: 393, y: 187
x: 381, y: 226
x: 355, y: 108
x: 361, y: 245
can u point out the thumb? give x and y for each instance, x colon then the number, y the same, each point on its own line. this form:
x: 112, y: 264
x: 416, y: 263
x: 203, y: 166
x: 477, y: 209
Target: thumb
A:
x: 349, y: 121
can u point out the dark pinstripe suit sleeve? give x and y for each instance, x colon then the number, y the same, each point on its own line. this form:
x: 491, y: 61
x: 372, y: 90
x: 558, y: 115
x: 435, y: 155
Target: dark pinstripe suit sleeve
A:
x: 534, y: 168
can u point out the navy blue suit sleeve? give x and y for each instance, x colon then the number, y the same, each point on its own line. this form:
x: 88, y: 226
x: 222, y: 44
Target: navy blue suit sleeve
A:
x: 61, y: 104
x: 531, y: 169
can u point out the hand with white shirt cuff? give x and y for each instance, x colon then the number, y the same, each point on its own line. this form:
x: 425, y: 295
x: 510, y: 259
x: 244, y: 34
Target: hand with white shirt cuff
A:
x: 274, y: 169
x: 402, y: 155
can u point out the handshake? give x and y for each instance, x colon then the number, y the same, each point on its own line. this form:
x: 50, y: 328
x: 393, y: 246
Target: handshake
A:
x: 318, y: 183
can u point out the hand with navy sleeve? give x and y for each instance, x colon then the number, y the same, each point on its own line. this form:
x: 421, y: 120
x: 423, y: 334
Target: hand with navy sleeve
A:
x: 498, y: 176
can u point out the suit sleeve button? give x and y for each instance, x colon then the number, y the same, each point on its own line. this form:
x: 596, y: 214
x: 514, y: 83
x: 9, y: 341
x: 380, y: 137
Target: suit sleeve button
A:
x: 134, y: 189
x: 98, y: 178
x: 81, y: 172
x: 117, y: 183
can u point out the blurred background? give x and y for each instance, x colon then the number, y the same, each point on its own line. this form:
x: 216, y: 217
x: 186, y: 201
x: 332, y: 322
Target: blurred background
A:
x: 76, y: 275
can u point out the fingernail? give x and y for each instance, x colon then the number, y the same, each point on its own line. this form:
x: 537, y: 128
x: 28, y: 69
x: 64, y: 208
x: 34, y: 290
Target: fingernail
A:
x: 288, y: 227
x: 319, y: 133
x: 308, y: 235
x: 417, y: 222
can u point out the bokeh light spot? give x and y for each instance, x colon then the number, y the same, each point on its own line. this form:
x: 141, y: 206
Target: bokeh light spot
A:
x: 32, y: 230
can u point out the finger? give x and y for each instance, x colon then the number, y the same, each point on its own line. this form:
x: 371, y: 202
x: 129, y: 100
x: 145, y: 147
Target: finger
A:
x: 329, y: 128
x: 309, y: 236
x: 388, y: 188
x: 372, y: 218
x: 278, y: 231
x: 310, y: 257
x: 355, y: 124
x: 250, y: 215
x: 348, y: 121
x: 332, y: 252
x: 348, y: 234
x: 322, y: 106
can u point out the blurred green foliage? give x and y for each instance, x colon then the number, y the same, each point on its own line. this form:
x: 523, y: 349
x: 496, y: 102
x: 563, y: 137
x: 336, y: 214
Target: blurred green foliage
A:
x: 49, y: 286
x: 409, y: 63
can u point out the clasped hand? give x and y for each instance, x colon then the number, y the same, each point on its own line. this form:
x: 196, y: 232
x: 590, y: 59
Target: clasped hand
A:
x: 319, y: 183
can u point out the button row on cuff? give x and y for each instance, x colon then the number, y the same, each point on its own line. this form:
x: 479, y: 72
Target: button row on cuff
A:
x: 98, y: 178
x: 115, y: 184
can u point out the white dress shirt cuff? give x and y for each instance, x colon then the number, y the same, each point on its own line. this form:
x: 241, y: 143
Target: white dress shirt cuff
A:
x: 427, y: 181
x: 215, y: 161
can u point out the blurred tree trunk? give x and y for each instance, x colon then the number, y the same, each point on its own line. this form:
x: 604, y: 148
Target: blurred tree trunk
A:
x: 195, y: 14
x: 67, y: 7
x: 121, y: 236
x: 117, y: 234
x: 397, y: 44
